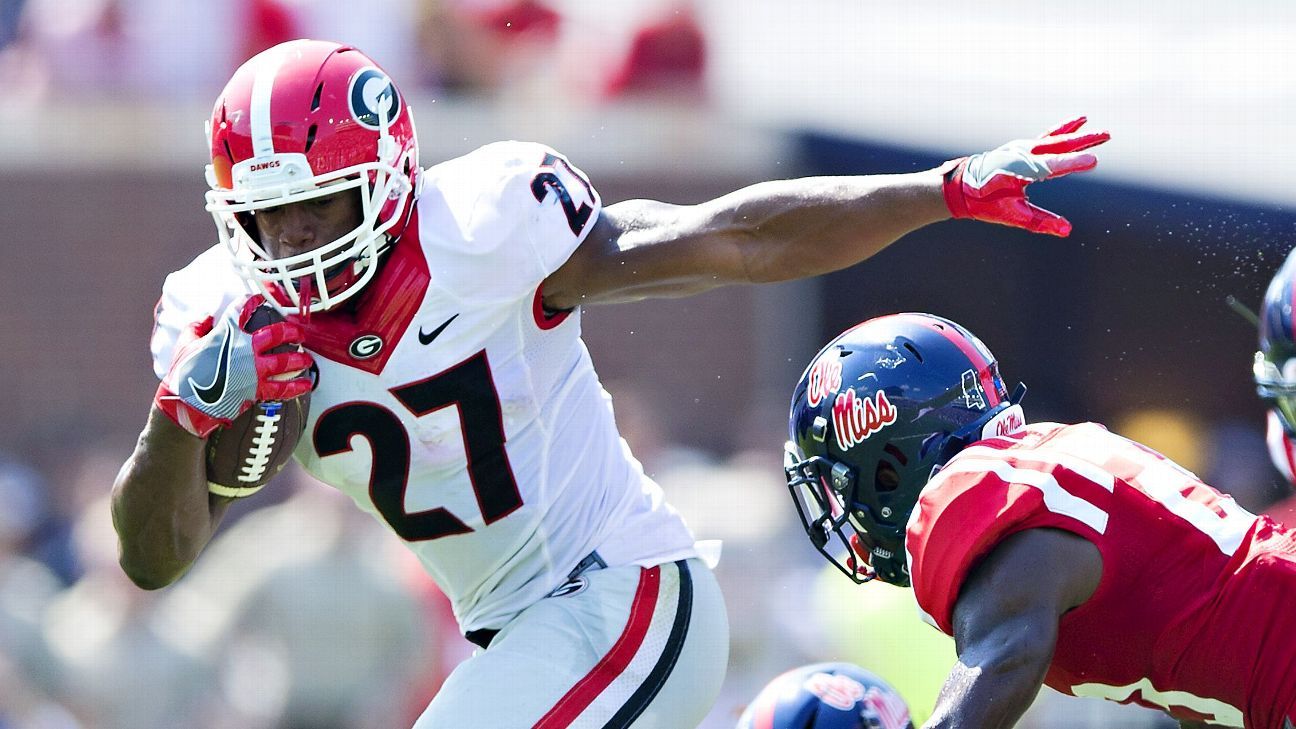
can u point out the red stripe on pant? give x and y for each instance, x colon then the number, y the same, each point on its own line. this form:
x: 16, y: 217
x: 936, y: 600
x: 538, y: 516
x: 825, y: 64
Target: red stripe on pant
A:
x: 615, y: 661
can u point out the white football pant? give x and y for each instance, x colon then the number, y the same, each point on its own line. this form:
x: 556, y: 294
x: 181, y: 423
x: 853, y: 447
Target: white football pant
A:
x: 629, y: 647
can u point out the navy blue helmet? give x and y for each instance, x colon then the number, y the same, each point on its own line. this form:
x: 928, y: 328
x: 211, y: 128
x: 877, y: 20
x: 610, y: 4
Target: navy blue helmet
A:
x: 877, y: 412
x: 827, y: 696
x: 1275, y: 363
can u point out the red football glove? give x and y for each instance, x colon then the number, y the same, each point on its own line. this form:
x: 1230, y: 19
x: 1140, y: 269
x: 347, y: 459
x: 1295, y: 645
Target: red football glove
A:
x: 219, y: 370
x: 991, y: 186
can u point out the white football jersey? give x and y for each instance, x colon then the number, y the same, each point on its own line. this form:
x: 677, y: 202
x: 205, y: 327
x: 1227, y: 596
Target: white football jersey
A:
x: 453, y: 407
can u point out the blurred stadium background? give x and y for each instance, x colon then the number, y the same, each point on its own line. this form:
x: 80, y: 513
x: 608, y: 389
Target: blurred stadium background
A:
x: 304, y: 614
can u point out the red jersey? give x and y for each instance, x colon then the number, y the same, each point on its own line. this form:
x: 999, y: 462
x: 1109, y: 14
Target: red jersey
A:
x: 1196, y: 610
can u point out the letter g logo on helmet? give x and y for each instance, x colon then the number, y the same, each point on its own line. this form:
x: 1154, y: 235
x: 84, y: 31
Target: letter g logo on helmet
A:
x: 365, y: 98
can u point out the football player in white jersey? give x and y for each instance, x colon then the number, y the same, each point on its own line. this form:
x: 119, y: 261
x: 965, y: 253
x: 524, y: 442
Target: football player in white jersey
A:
x: 439, y: 310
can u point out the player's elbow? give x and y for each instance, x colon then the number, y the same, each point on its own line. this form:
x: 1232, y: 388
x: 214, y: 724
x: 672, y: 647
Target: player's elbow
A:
x: 144, y: 565
x: 146, y: 580
x: 147, y: 576
x: 147, y: 571
x: 1019, y: 648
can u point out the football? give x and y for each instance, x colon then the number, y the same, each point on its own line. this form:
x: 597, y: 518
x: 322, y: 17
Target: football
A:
x: 245, y: 455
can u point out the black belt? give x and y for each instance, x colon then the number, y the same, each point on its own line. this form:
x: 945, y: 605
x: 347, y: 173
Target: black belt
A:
x: 591, y: 562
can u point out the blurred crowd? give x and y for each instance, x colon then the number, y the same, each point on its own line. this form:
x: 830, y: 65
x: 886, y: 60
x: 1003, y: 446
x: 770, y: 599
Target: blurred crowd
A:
x: 157, y: 49
x: 305, y: 613
x: 302, y: 613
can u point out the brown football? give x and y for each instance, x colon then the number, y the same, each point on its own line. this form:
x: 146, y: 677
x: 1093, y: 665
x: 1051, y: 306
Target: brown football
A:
x: 245, y: 455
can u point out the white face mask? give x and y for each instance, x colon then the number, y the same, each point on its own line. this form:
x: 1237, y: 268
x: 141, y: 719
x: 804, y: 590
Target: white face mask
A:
x: 299, y: 104
x: 284, y: 179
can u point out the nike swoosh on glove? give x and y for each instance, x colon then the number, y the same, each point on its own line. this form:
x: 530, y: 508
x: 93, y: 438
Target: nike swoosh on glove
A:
x: 219, y: 370
x: 991, y: 186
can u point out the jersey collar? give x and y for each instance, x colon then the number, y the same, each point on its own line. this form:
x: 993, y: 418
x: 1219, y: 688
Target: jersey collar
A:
x: 365, y: 335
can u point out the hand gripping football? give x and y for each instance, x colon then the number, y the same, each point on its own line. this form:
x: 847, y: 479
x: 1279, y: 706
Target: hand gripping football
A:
x: 243, y: 456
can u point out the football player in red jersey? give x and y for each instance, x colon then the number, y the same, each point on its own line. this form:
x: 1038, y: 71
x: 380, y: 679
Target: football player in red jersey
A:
x: 1062, y: 555
x: 439, y: 311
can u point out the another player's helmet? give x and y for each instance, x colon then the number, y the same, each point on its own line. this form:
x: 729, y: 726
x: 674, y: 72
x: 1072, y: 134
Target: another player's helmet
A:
x: 827, y: 696
x: 302, y: 120
x: 877, y: 412
x: 1275, y: 363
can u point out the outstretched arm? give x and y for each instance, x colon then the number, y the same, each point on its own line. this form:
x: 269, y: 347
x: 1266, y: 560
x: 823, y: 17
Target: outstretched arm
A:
x: 1005, y: 626
x: 788, y: 229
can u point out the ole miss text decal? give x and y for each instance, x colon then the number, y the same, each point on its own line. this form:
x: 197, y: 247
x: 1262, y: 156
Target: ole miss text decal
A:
x: 856, y: 418
x: 825, y: 379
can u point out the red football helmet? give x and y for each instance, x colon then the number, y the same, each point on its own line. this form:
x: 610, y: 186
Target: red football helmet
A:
x: 302, y: 120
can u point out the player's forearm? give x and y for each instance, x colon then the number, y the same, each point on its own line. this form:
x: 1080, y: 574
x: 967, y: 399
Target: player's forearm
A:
x: 992, y: 696
x: 161, y: 508
x: 771, y: 231
x: 789, y: 229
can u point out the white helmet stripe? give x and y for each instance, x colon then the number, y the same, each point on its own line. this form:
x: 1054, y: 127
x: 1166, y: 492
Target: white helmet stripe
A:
x: 262, y: 86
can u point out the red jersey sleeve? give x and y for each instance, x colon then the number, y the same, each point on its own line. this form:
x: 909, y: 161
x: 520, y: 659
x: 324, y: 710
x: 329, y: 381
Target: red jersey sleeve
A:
x: 980, y: 498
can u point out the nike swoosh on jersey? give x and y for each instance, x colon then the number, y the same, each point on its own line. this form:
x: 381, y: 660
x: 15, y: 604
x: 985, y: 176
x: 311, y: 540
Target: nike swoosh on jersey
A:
x: 426, y: 338
x: 212, y: 393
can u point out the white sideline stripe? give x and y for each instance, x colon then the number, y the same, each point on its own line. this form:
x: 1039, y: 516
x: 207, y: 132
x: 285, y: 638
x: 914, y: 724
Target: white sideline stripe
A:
x: 1057, y: 499
x: 262, y: 87
x: 1089, y: 471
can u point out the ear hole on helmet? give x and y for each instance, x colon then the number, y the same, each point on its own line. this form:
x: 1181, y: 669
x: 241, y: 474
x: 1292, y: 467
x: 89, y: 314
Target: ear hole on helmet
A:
x: 228, y: 153
x: 310, y: 137
x: 886, y: 478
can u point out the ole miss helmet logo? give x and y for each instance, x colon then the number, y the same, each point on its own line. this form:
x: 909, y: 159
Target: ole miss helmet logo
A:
x: 825, y: 379
x: 856, y: 418
x: 839, y: 692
